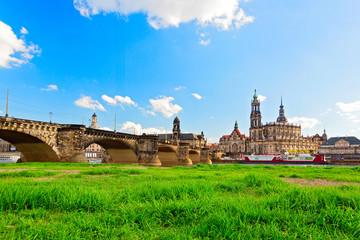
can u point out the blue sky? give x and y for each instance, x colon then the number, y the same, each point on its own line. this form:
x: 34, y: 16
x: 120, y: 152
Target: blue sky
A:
x: 88, y: 52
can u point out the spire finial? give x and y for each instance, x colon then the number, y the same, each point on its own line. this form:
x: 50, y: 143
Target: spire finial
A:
x: 236, y: 125
x: 255, y: 95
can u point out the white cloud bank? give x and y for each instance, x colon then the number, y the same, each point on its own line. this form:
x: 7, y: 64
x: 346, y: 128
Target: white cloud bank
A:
x: 306, y: 123
x: 88, y: 102
x: 50, y: 87
x: 14, y: 51
x: 164, y: 106
x: 131, y: 127
x: 222, y: 14
x: 119, y: 100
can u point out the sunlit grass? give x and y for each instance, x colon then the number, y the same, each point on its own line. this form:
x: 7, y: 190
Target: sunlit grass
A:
x: 201, y: 202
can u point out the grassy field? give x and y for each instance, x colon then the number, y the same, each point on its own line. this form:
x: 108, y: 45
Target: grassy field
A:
x: 81, y: 201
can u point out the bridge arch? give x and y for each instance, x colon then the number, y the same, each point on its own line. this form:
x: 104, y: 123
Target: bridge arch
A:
x: 120, y: 151
x: 167, y: 155
x: 33, y: 149
x: 194, y: 155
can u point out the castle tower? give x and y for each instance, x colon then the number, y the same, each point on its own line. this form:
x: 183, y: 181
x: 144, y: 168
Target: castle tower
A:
x: 94, y: 122
x: 281, y: 118
x: 176, y: 128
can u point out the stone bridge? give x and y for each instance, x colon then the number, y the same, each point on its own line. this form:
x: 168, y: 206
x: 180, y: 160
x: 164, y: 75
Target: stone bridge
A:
x: 52, y: 142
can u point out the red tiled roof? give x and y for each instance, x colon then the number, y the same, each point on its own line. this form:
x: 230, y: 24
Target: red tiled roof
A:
x: 238, y: 133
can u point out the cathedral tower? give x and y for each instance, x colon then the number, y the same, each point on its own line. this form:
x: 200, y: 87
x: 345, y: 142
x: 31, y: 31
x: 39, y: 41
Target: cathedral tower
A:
x: 255, y: 117
x: 256, y: 132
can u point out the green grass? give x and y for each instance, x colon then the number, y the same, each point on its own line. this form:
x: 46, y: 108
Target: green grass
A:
x: 201, y: 202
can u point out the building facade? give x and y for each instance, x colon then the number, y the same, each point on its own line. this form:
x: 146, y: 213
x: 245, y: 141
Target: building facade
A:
x: 341, y: 148
x: 233, y: 145
x: 271, y: 138
x: 6, y: 146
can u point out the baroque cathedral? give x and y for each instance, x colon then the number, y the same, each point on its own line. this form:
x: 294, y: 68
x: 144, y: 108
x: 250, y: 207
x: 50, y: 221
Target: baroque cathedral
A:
x: 271, y: 138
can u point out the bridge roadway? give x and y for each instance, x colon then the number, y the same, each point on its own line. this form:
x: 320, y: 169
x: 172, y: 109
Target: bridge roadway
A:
x: 53, y: 142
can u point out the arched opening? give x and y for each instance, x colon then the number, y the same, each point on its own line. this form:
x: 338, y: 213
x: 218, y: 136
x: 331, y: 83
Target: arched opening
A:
x: 194, y: 155
x: 167, y: 156
x: 119, y: 152
x: 32, y: 148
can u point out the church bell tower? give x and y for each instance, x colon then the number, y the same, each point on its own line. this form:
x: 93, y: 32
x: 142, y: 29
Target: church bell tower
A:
x: 256, y: 132
x: 255, y: 117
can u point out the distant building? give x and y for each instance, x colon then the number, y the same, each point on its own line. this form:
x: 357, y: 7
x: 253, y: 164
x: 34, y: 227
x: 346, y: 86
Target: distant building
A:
x: 340, y: 148
x: 95, y: 151
x: 6, y: 146
x: 271, y: 138
x: 194, y: 140
x: 234, y: 144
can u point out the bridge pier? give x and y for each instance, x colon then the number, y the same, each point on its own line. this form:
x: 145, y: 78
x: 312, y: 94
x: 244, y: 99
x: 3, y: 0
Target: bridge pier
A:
x: 147, y: 151
x: 183, y: 154
x: 70, y: 145
x: 204, y: 156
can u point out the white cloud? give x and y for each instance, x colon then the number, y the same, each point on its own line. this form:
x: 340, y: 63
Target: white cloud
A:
x: 205, y: 42
x: 106, y: 129
x: 197, y: 96
x: 151, y: 113
x: 88, y: 102
x: 24, y: 31
x: 119, y: 100
x: 179, y: 88
x: 14, y: 51
x: 131, y: 127
x: 50, y: 87
x: 306, y: 123
x: 164, y: 13
x: 349, y: 107
x: 262, y: 98
x: 164, y: 106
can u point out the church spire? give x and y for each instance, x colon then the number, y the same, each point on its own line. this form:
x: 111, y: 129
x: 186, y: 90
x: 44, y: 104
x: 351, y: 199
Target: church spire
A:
x: 281, y: 118
x: 255, y: 95
x: 236, y: 125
